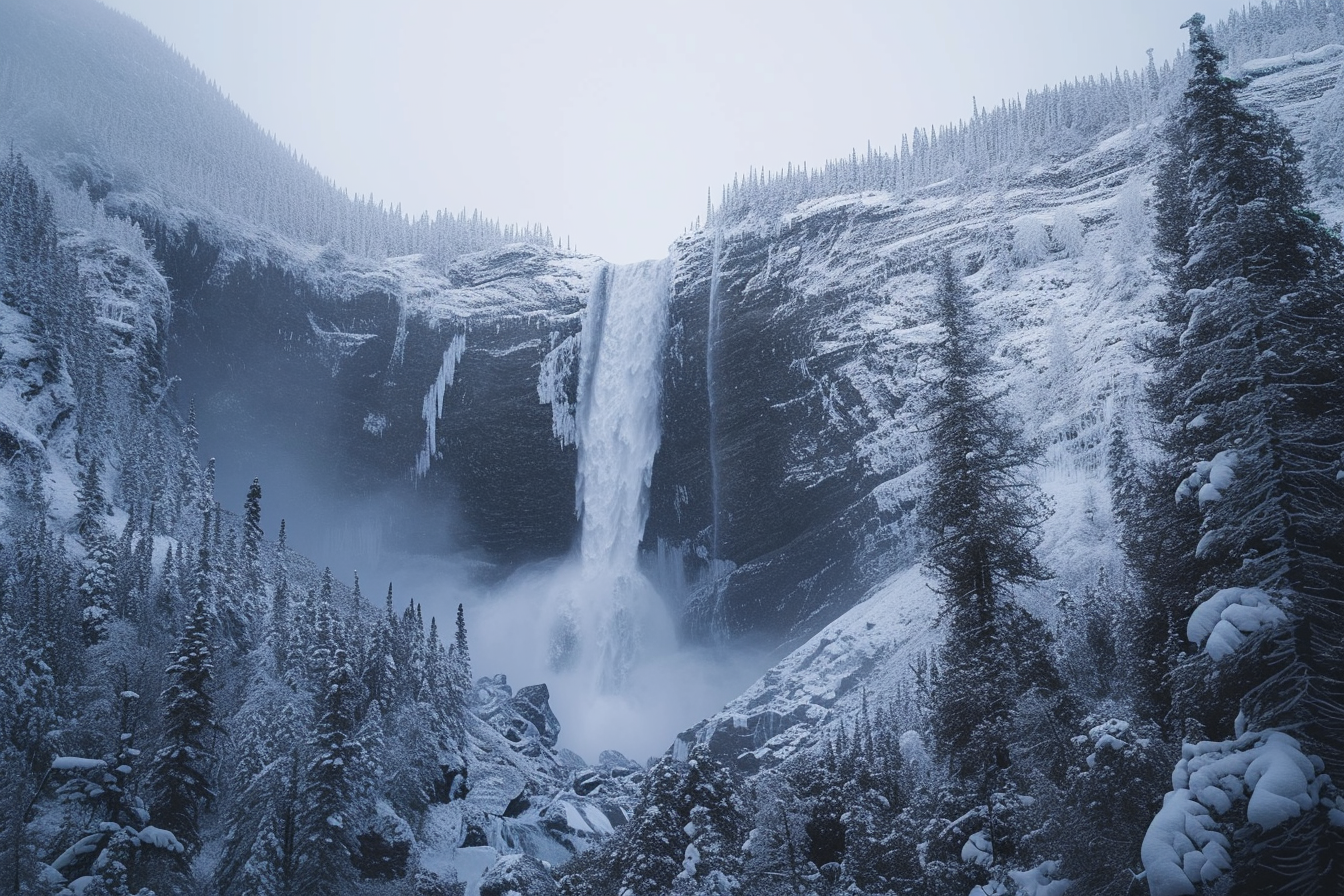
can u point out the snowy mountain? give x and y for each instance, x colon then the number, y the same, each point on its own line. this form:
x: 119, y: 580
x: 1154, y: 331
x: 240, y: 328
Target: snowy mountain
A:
x: 743, y: 429
x: 1072, y: 308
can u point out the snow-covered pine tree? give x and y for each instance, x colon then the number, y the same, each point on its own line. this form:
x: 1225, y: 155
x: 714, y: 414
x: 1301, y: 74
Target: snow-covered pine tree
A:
x: 188, y: 491
x: 124, y: 568
x: 251, y: 546
x: 652, y: 846
x: 984, y: 516
x: 685, y: 837
x: 34, y: 729
x: 261, y: 835
x: 182, y: 766
x: 118, y: 828
x: 459, y: 657
x: 334, y: 780
x: 712, y: 859
x: 1249, y: 392
x: 278, y: 635
x: 97, y: 587
x: 380, y: 672
x: 93, y: 507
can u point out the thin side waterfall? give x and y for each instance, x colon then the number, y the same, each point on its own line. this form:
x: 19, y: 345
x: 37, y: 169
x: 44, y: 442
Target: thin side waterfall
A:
x: 717, y: 624
x: 608, y: 614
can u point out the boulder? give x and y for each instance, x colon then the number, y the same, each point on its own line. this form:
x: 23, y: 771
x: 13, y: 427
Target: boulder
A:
x: 519, y: 874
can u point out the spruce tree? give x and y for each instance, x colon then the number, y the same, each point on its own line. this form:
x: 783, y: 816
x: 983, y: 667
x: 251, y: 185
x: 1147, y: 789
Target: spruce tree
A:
x: 251, y: 547
x: 1249, y: 393
x: 181, y: 770
x: 334, y: 780
x: 380, y: 673
x: 686, y: 833
x: 93, y: 507
x: 96, y: 587
x: 984, y: 517
x: 460, y: 663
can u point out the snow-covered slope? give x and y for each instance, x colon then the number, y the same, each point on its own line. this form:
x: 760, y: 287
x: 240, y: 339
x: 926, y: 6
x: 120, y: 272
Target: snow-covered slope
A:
x: 1061, y: 261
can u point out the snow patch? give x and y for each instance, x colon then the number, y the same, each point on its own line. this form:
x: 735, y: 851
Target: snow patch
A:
x: 1257, y: 68
x: 76, y: 764
x: 1043, y: 880
x: 1184, y: 845
x: 1222, y: 622
x: 978, y: 850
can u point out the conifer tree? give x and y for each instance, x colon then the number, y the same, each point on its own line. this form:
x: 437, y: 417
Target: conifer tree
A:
x: 251, y: 547
x: 984, y: 520
x: 93, y: 508
x: 34, y: 729
x: 182, y: 766
x: 97, y: 587
x: 686, y: 833
x: 188, y: 466
x: 1249, y: 391
x: 334, y: 778
x: 281, y: 618
x: 381, y: 670
x: 460, y: 662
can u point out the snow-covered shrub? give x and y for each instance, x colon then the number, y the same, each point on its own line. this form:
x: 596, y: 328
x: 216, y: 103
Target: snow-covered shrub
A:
x: 1068, y: 231
x: 1031, y: 244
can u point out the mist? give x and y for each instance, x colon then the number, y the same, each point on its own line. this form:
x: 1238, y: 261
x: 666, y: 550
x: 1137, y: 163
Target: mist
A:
x: 512, y: 614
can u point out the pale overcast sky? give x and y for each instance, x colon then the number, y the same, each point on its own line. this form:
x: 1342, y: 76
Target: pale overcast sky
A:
x: 607, y: 121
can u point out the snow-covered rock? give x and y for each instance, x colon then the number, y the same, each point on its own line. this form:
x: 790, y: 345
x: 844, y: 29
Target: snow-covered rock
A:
x: 519, y: 874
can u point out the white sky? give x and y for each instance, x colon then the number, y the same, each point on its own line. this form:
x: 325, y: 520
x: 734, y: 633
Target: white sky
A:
x: 607, y: 121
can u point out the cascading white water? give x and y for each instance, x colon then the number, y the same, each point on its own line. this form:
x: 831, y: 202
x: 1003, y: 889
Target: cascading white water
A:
x: 593, y: 627
x: 607, y: 613
x: 619, y: 419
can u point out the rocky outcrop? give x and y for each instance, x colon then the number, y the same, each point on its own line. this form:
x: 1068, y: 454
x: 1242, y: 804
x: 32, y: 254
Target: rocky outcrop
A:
x: 401, y: 397
x: 524, y: 719
x: 518, y: 874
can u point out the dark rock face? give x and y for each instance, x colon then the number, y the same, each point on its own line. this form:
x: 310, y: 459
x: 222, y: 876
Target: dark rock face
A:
x: 758, y: 465
x: 294, y: 370
x: 533, y: 703
x: 761, y: 507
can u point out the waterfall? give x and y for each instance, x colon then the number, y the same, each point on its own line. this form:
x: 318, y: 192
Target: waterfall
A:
x: 591, y: 625
x: 619, y: 411
x: 608, y: 613
x: 717, y: 625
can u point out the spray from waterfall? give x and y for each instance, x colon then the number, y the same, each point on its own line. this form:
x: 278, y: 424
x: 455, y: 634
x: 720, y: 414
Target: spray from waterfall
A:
x: 607, y: 613
x: 591, y: 625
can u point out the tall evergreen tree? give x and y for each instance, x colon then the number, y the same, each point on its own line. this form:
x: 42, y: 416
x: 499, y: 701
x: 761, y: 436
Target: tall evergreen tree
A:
x: 686, y: 833
x: 1249, y: 392
x: 97, y: 587
x: 182, y: 766
x: 380, y: 673
x: 984, y: 520
x: 334, y: 778
x: 93, y: 507
x: 251, y: 547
